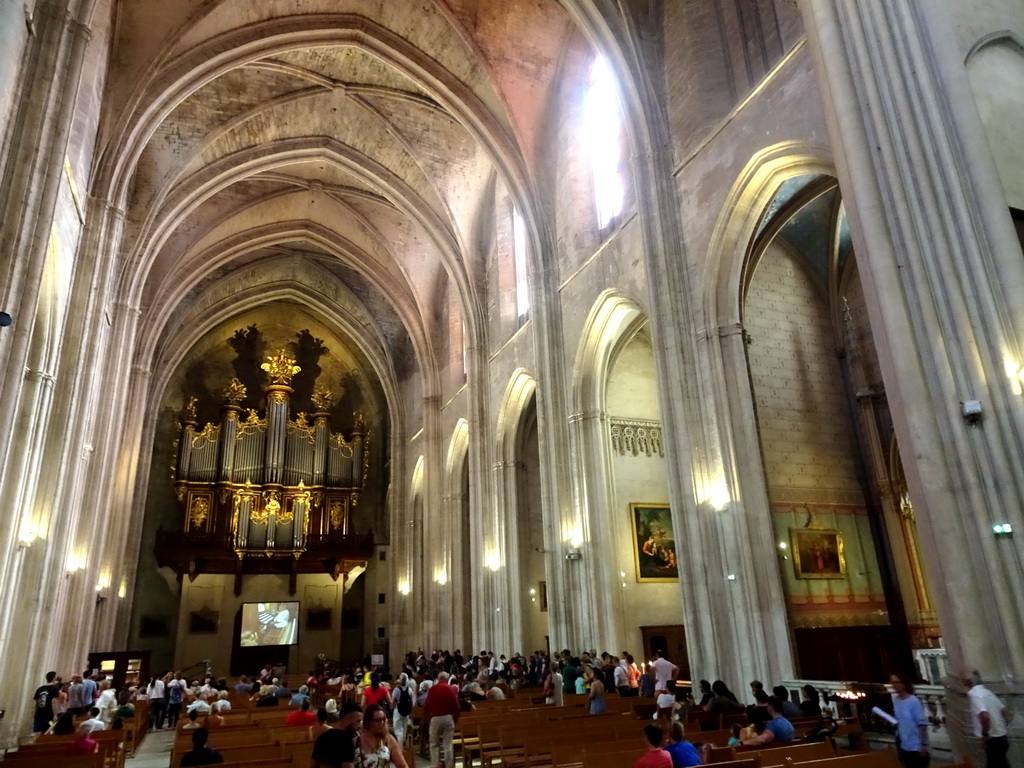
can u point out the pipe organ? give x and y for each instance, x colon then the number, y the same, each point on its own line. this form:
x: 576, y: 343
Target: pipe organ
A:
x: 268, y: 493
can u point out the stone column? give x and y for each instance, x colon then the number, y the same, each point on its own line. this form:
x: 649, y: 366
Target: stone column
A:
x: 593, y: 477
x: 943, y: 278
x: 730, y: 585
x: 38, y: 131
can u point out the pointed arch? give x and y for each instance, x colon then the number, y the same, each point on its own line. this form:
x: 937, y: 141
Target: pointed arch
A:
x: 737, y: 224
x: 613, y: 318
x: 520, y: 390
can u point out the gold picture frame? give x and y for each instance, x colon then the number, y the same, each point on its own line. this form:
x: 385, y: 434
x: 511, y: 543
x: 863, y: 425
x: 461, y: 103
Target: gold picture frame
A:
x: 818, y: 553
x: 654, y: 543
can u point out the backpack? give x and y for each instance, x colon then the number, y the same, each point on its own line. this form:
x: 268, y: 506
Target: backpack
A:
x: 404, y: 702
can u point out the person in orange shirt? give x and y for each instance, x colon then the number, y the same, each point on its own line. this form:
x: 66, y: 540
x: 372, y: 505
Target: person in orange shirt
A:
x: 655, y: 757
x: 301, y: 716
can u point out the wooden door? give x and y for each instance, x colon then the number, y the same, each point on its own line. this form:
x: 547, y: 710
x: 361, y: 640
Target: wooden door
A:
x: 672, y: 640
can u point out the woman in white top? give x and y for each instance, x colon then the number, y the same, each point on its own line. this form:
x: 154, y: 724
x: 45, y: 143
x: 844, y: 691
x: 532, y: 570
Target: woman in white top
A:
x: 155, y: 692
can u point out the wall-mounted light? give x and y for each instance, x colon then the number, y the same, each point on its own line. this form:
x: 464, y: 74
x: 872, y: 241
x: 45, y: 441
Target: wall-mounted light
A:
x: 1003, y: 530
x: 971, y: 410
x: 533, y: 591
x: 403, y: 588
x: 731, y: 577
x: 492, y: 560
x: 1015, y: 373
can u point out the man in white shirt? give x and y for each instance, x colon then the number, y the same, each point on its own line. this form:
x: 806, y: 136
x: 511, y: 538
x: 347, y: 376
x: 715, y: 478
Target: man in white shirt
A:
x: 94, y: 723
x: 664, y: 670
x: 989, y: 719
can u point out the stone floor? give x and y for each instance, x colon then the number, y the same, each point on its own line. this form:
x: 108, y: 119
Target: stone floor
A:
x: 154, y: 752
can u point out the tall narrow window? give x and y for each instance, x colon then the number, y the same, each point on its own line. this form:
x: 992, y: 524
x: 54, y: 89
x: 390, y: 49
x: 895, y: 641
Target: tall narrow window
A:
x: 465, y: 355
x: 602, y: 121
x: 519, y: 254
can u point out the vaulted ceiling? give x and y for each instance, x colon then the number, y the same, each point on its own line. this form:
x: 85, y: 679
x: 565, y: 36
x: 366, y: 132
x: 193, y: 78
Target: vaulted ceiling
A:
x: 360, y: 136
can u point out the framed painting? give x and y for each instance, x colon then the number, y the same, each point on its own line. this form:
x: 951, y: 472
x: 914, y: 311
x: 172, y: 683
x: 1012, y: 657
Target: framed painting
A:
x: 654, y: 543
x: 818, y: 553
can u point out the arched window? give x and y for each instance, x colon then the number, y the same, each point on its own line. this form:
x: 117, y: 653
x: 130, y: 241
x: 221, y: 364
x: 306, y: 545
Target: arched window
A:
x: 602, y: 131
x: 519, y: 257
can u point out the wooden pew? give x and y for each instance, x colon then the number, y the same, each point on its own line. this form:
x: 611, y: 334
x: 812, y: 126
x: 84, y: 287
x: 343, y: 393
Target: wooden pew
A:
x: 63, y: 760
x: 596, y: 757
x: 800, y: 753
x: 880, y: 759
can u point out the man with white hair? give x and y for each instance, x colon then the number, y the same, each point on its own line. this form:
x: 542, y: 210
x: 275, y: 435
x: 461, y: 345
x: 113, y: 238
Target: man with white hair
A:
x: 442, y: 710
x: 989, y: 718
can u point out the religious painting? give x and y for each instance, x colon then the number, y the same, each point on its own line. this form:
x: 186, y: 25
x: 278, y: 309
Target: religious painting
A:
x: 654, y: 543
x: 818, y: 553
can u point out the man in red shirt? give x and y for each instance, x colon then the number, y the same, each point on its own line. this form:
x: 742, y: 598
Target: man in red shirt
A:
x: 656, y: 757
x: 441, y: 708
x: 301, y: 716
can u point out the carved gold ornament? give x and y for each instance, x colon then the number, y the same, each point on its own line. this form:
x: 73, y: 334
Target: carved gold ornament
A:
x: 258, y: 516
x: 335, y: 515
x: 252, y: 417
x: 281, y: 368
x: 189, y: 411
x: 277, y: 396
x: 200, y: 510
x: 301, y: 420
x: 235, y: 391
x: 322, y: 398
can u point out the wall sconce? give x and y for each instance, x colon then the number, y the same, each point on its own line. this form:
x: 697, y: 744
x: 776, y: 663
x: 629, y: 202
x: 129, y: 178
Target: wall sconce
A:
x: 403, y: 588
x: 100, y: 600
x: 573, y: 554
x: 971, y: 411
x: 1003, y: 530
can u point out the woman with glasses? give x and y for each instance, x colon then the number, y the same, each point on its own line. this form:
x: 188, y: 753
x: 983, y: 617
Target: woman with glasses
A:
x: 375, y: 747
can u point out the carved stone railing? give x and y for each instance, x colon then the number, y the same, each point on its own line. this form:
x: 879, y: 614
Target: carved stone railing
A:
x: 636, y: 437
x: 852, y: 699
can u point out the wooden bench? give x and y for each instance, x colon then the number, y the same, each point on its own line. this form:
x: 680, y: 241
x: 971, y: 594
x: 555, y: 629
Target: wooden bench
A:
x: 798, y: 752
x: 63, y: 760
x: 880, y: 759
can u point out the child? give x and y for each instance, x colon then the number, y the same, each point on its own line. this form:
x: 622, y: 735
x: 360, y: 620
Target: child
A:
x: 734, y: 740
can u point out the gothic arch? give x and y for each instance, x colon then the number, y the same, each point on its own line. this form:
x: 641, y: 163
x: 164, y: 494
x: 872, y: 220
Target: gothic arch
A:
x: 611, y: 322
x: 611, y: 319
x: 737, y: 224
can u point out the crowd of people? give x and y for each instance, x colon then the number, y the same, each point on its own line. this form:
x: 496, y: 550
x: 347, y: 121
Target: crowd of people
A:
x: 367, y: 718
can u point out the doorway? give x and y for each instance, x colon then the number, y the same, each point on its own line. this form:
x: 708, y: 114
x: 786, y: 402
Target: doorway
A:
x: 672, y: 640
